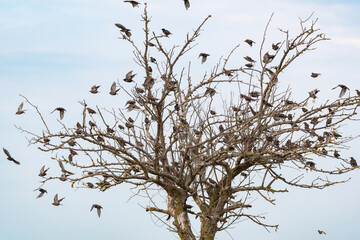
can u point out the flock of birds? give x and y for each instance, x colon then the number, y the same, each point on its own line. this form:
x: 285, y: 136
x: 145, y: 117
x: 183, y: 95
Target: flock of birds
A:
x: 148, y: 83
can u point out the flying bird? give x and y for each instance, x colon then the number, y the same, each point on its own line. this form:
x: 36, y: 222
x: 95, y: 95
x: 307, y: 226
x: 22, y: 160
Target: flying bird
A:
x: 123, y: 29
x: 94, y: 89
x: 42, y: 192
x: 210, y: 91
x: 353, y: 162
x: 250, y: 42
x: 61, y: 112
x: 20, y: 109
x: 98, y: 208
x: 268, y: 58
x: 203, y: 57
x: 133, y: 3
x: 315, y: 75
x: 113, y: 90
x: 187, y: 4
x: 9, y: 157
x: 129, y: 77
x: 57, y: 201
x: 313, y: 93
x: 275, y: 46
x: 321, y: 232
x: 166, y: 32
x: 343, y: 89
x: 249, y: 59
x: 43, y: 171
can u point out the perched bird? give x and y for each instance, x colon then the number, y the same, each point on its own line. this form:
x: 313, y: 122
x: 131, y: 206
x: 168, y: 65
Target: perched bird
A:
x: 221, y: 128
x: 321, y: 232
x: 94, y: 89
x: 247, y: 98
x: 166, y: 32
x: 313, y: 93
x: 268, y: 58
x: 131, y: 107
x: 249, y: 59
x: 123, y: 29
x: 98, y: 208
x: 315, y: 75
x: 149, y: 82
x: 139, y: 90
x: 250, y: 42
x: 57, y: 201
x: 9, y: 157
x: 336, y: 154
x: 343, y: 89
x: 61, y: 111
x: 187, y: 4
x: 153, y: 60
x: 255, y: 94
x: 203, y: 57
x: 43, y: 171
x: 113, y: 90
x: 20, y: 109
x: 357, y: 92
x: 133, y: 3
x: 212, y: 112
x: 353, y: 162
x: 310, y: 164
x: 275, y: 46
x: 129, y: 77
x: 249, y: 65
x: 42, y: 192
x: 210, y: 91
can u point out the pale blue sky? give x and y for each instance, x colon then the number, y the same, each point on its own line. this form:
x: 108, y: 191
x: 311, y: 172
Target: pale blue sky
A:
x: 53, y: 51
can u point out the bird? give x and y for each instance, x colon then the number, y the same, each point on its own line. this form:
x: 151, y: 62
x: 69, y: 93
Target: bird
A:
x: 203, y: 57
x: 210, y: 91
x: 255, y: 94
x: 61, y: 112
x: 123, y: 29
x: 43, y: 171
x: 336, y: 154
x: 42, y: 192
x: 20, y: 109
x: 275, y: 46
x: 249, y: 59
x: 57, y: 201
x: 149, y: 82
x: 353, y: 162
x: 321, y: 232
x: 113, y: 90
x: 268, y: 58
x: 310, y: 164
x: 187, y: 4
x: 94, y: 89
x: 315, y: 75
x: 250, y: 42
x: 9, y: 157
x: 98, y: 208
x: 343, y: 89
x: 357, y: 92
x: 153, y: 60
x: 212, y: 112
x: 249, y: 65
x: 133, y: 3
x: 129, y: 77
x: 91, y: 111
x: 166, y: 32
x: 313, y: 93
x: 131, y: 107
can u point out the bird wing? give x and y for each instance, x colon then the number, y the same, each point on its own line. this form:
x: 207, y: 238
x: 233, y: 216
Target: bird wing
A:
x: 92, y: 207
x: 20, y: 107
x: 7, y: 153
x: 15, y: 161
x: 343, y: 91
x: 113, y: 87
x: 187, y: 4
x: 99, y: 211
x: 56, y: 198
x: 62, y: 114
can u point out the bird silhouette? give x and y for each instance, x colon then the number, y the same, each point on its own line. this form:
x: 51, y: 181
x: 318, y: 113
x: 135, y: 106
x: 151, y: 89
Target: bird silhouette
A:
x: 133, y: 3
x: 313, y: 93
x: 123, y: 29
x: 166, y: 32
x: 321, y: 232
x: 129, y: 77
x: 57, y: 200
x: 149, y: 82
x: 210, y: 91
x: 94, y: 89
x: 42, y: 192
x: 20, y: 109
x: 249, y: 59
x: 187, y: 4
x: 353, y: 162
x: 275, y: 46
x: 98, y: 208
x: 203, y: 57
x: 250, y: 42
x: 315, y: 75
x: 61, y: 112
x: 91, y: 111
x: 9, y: 157
x: 43, y: 171
x: 343, y: 89
x: 113, y: 90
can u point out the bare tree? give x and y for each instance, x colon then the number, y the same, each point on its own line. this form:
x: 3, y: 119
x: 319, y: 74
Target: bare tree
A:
x: 169, y: 138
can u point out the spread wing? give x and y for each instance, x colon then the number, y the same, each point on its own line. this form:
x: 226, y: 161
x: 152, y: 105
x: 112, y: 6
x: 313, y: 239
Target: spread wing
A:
x: 7, y: 153
x: 20, y: 108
